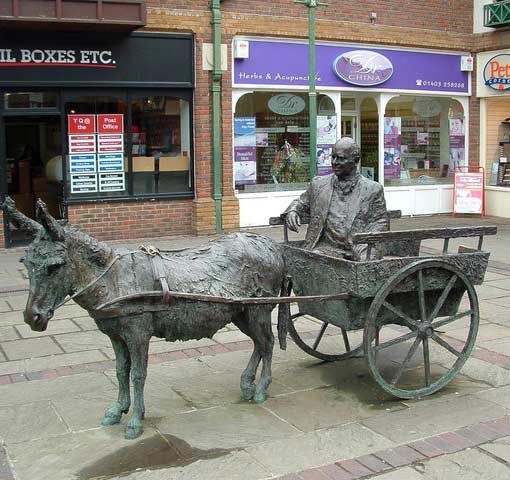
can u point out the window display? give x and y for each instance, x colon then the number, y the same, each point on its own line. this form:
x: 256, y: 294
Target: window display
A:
x: 424, y: 140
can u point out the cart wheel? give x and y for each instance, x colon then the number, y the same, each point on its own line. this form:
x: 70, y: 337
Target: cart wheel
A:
x: 441, y: 356
x: 315, y: 344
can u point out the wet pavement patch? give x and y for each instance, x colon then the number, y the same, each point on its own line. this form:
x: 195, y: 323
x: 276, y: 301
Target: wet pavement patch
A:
x: 156, y: 452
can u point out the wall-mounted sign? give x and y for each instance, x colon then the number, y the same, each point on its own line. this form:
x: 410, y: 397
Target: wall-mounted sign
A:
x: 81, y: 124
x: 82, y: 143
x: 382, y: 68
x: 110, y: 123
x: 497, y: 72
x: 84, y: 163
x: 110, y: 162
x: 363, y: 67
x: 111, y: 182
x: 286, y: 104
x: 107, y: 142
x: 84, y: 183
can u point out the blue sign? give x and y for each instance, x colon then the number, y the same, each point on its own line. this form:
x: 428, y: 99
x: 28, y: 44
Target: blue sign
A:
x: 82, y: 163
x: 110, y: 162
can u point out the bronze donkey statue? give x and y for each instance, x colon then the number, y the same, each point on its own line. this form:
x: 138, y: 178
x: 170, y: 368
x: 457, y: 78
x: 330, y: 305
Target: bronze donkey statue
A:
x: 64, y: 261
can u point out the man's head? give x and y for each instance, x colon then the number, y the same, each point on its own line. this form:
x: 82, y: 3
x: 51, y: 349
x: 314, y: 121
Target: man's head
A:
x: 345, y: 157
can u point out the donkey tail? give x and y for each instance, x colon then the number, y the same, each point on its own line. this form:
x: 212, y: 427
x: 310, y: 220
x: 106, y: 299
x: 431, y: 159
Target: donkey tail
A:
x: 284, y: 314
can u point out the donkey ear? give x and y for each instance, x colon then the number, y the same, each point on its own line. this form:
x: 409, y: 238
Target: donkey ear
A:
x: 54, y: 229
x: 18, y: 219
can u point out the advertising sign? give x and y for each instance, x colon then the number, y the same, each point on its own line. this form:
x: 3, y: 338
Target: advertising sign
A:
x: 392, y: 147
x: 81, y: 124
x: 468, y: 192
x: 345, y: 66
x: 110, y: 162
x: 84, y: 183
x: 85, y: 163
x: 326, y: 129
x: 110, y: 123
x: 496, y: 72
x: 107, y: 143
x: 111, y: 182
x: 82, y: 143
x: 245, y: 150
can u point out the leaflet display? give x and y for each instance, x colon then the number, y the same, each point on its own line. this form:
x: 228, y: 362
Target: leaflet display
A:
x: 96, y: 153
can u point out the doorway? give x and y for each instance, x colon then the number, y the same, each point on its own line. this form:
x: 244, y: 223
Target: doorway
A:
x: 33, y: 148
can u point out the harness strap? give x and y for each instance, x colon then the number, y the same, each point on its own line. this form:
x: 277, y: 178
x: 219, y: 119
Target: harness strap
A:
x: 158, y: 268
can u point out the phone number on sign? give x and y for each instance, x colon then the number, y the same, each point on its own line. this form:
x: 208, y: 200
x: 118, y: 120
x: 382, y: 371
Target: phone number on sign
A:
x: 437, y: 83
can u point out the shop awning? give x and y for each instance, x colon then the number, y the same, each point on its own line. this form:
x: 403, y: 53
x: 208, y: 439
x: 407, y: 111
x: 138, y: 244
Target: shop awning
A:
x: 120, y: 15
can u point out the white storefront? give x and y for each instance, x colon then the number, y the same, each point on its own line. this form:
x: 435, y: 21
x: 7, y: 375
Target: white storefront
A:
x: 408, y: 109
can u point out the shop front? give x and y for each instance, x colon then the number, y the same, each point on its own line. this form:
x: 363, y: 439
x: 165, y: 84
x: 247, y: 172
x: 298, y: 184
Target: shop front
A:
x: 408, y: 109
x: 96, y: 119
x: 493, y: 89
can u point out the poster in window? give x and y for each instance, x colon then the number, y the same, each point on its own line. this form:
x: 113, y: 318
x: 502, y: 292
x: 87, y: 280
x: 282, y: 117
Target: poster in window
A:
x: 422, y: 138
x: 111, y: 182
x: 457, y: 144
x: 84, y: 183
x: 326, y: 129
x: 392, y: 142
x: 245, y: 132
x: 324, y: 160
x: 262, y: 139
x: 84, y: 163
x: 245, y: 173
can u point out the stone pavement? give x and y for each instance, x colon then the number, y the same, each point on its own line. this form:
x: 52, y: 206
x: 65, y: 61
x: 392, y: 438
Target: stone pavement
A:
x: 322, y: 420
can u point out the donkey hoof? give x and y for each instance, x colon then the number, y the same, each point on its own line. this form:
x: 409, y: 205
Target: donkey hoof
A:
x: 112, y: 416
x: 248, y: 392
x: 133, y: 431
x: 260, y: 397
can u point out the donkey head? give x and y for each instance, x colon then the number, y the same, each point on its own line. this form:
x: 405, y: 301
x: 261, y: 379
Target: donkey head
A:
x: 50, y: 269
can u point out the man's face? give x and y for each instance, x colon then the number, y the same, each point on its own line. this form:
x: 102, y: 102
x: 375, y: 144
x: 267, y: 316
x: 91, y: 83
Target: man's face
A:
x: 343, y: 161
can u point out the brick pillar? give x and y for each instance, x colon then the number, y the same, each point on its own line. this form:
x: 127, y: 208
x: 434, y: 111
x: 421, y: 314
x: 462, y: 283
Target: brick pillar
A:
x: 474, y: 122
x: 2, y: 236
x: 230, y: 214
x: 204, y: 216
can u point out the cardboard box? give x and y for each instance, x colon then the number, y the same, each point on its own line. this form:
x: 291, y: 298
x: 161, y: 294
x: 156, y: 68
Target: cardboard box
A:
x: 25, y: 204
x: 24, y: 177
x: 174, y: 164
x: 143, y: 164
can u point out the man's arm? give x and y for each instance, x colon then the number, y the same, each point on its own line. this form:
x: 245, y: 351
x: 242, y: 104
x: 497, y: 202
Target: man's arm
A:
x: 378, y: 220
x: 296, y: 210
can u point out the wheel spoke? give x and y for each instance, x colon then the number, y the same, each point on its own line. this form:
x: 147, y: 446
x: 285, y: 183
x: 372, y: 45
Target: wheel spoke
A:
x: 426, y: 361
x: 396, y: 341
x: 452, y: 318
x: 446, y: 345
x: 421, y: 296
x: 442, y: 298
x: 319, y: 337
x: 346, y: 340
x: 409, y: 321
x: 409, y: 355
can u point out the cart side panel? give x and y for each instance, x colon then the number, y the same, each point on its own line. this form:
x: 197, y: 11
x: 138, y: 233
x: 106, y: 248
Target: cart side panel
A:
x: 372, y: 275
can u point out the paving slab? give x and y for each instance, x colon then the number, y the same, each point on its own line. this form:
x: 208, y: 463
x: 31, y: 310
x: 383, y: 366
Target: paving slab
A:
x: 326, y: 407
x: 4, y: 307
x: 39, y: 390
x: 470, y: 464
x: 230, y: 336
x: 85, y: 323
x: 499, y: 448
x: 55, y: 327
x: 419, y: 421
x: 491, y: 276
x: 486, y: 372
x: 500, y: 345
x: 502, y: 283
x: 30, y: 421
x: 64, y: 456
x: 314, y: 449
x: 17, y: 302
x: 499, y: 396
x: 406, y: 473
x: 11, y: 318
x: 2, y: 357
x: 488, y: 331
x: 501, y: 301
x: 235, y: 426
x: 494, y: 313
x: 8, y: 333
x: 29, y: 348
x: 488, y: 291
x: 80, y: 341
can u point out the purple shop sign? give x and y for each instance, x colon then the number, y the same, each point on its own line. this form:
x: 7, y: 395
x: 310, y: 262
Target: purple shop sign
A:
x: 285, y: 64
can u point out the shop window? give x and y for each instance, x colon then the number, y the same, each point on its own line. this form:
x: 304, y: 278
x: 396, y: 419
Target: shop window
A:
x: 272, y: 140
x: 30, y: 100
x: 369, y: 139
x: 424, y: 140
x: 498, y: 142
x: 160, y: 145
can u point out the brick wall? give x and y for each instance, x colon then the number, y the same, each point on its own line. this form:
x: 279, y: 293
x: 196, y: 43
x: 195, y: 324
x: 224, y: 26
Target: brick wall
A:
x: 125, y: 220
x: 2, y: 236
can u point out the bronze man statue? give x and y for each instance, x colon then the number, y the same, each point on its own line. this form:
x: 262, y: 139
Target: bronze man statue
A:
x: 340, y: 205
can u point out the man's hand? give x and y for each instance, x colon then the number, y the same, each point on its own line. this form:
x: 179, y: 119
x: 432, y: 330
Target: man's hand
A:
x: 292, y: 221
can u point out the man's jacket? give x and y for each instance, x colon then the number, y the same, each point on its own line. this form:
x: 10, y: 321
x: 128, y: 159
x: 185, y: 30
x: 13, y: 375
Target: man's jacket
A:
x: 365, y: 208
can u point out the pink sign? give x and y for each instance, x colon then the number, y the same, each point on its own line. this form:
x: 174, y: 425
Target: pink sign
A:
x: 468, y: 192
x: 82, y: 144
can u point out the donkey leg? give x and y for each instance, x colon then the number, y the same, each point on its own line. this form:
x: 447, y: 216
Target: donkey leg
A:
x: 139, y: 351
x: 123, y: 366
x: 248, y: 376
x: 260, y: 323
